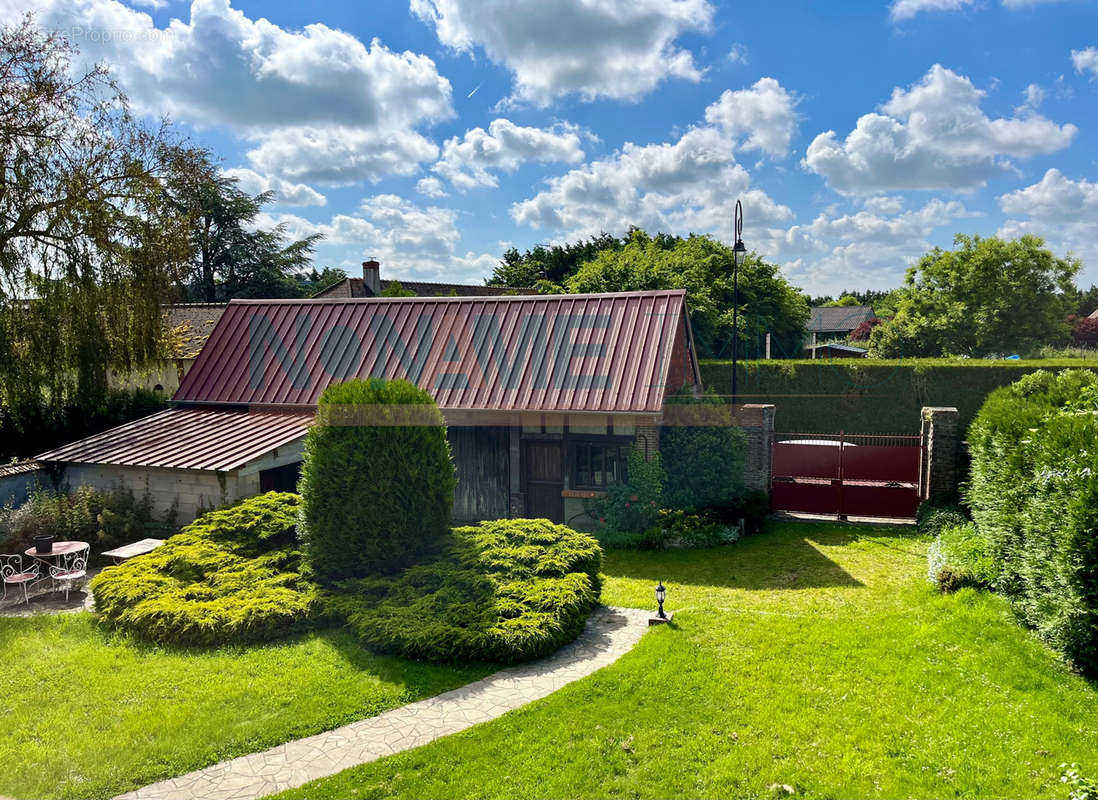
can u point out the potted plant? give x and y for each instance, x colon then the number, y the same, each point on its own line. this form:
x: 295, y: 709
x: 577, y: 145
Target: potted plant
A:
x: 43, y: 543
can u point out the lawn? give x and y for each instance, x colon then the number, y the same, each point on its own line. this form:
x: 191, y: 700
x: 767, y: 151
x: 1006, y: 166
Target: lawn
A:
x: 85, y: 714
x: 812, y: 656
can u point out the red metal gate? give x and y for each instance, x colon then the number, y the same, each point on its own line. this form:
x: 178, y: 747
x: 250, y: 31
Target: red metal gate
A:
x: 865, y: 475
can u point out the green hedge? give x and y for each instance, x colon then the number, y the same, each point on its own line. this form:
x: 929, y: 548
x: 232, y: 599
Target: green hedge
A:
x: 506, y: 591
x: 1034, y: 497
x: 377, y: 480
x: 865, y: 396
x: 232, y: 576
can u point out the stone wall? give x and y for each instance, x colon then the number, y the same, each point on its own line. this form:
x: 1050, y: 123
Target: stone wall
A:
x: 940, y: 432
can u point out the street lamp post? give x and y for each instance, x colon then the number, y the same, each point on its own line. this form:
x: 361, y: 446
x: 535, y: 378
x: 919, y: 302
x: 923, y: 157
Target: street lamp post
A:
x: 739, y: 253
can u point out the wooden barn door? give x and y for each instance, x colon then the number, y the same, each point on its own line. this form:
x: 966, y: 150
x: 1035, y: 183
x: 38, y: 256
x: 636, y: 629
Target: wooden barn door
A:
x: 544, y: 480
x: 481, y: 462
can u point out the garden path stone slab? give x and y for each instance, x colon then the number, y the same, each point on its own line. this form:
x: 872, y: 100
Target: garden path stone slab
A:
x: 609, y: 634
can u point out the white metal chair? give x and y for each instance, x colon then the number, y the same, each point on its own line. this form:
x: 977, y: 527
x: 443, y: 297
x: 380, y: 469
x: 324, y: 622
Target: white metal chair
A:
x: 12, y: 571
x: 73, y: 568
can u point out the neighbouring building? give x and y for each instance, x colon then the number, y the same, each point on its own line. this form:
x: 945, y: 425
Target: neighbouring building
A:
x: 836, y: 350
x: 834, y: 322
x: 371, y: 284
x: 544, y: 396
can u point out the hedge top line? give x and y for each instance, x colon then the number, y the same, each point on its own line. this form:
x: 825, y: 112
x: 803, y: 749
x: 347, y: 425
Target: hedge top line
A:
x: 869, y: 363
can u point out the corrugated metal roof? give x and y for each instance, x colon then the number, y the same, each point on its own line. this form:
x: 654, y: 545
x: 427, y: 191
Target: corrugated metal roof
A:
x: 188, y: 438
x: 599, y: 352
x: 838, y: 318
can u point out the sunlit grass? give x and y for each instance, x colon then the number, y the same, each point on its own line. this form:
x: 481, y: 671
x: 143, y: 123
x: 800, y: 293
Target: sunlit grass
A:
x: 812, y: 656
x: 85, y: 714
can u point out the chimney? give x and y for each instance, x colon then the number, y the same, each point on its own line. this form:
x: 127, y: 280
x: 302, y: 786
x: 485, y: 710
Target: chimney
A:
x: 371, y: 277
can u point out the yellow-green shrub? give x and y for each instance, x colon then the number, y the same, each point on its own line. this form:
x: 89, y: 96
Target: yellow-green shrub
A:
x: 506, y: 590
x: 232, y: 575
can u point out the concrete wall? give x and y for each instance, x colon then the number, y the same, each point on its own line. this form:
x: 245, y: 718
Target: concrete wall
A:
x: 14, y: 489
x: 194, y: 490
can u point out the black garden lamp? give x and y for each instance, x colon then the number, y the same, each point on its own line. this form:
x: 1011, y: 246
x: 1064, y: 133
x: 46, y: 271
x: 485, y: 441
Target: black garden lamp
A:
x: 661, y: 595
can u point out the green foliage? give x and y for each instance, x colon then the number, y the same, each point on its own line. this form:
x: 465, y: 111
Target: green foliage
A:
x: 547, y: 267
x: 1082, y: 787
x: 631, y: 506
x: 34, y: 427
x: 377, y: 479
x: 103, y: 519
x: 1034, y: 497
x: 394, y: 289
x: 864, y: 396
x: 959, y: 557
x: 704, y: 462
x: 704, y: 267
x: 984, y: 296
x: 233, y: 575
x: 931, y: 519
x: 505, y: 590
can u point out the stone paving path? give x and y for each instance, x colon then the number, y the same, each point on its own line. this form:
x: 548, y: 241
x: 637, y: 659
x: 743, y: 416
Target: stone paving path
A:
x: 610, y: 633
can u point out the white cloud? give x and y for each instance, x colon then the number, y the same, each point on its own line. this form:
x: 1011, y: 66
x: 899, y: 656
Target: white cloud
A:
x: 411, y: 241
x: 288, y: 91
x: 286, y: 192
x: 737, y: 54
x: 931, y: 136
x: 869, y: 248
x: 340, y: 154
x: 1033, y: 96
x: 687, y: 185
x: 764, y: 113
x: 619, y: 49
x: 430, y: 187
x: 1062, y: 211
x: 906, y: 9
x: 1086, y: 61
x: 466, y: 161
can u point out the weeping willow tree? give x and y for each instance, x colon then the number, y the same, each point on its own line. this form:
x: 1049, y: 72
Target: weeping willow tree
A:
x: 90, y: 243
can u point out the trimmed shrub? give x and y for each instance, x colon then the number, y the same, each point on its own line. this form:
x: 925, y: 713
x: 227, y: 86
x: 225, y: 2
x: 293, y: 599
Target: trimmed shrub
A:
x: 233, y: 575
x: 631, y: 507
x: 931, y: 519
x: 507, y: 590
x: 958, y: 557
x: 377, y: 480
x: 1034, y: 498
x: 703, y: 463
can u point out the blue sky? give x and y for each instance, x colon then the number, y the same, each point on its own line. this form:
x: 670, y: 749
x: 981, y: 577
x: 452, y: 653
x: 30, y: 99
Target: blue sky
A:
x: 433, y: 134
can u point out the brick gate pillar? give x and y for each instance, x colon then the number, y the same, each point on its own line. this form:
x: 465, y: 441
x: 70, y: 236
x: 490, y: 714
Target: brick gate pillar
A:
x: 757, y: 421
x: 940, y: 431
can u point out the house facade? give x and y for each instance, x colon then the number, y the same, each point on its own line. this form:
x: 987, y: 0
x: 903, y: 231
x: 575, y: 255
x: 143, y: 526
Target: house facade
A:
x: 544, y: 396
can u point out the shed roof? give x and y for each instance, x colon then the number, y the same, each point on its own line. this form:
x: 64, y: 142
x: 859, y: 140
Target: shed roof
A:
x: 597, y: 352
x: 838, y: 318
x: 190, y: 325
x: 188, y: 438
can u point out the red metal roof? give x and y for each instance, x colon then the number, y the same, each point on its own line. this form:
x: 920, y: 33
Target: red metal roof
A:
x: 578, y: 353
x: 188, y: 438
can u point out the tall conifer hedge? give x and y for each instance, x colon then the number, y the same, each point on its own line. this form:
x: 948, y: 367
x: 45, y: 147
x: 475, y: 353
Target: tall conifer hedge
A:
x: 1034, y: 497
x: 377, y: 480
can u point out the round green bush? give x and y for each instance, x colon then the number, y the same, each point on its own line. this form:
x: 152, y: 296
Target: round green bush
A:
x: 233, y: 575
x: 377, y: 480
x: 505, y: 591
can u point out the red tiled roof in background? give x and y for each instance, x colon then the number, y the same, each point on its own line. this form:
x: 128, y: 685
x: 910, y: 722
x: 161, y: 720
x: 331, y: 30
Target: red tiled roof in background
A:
x: 253, y: 358
x: 188, y: 438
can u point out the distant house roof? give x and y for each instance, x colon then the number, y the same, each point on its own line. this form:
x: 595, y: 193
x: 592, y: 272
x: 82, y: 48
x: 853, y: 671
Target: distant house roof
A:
x: 843, y: 349
x: 583, y: 353
x: 188, y: 438
x: 356, y: 287
x: 191, y: 324
x: 19, y: 468
x: 1093, y: 314
x: 838, y: 319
